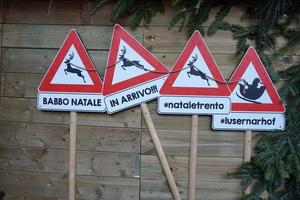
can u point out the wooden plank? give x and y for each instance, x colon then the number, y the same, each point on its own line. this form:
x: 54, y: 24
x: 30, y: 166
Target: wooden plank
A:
x: 174, y: 122
x: 160, y: 39
x: 61, y: 12
x: 39, y: 60
x: 89, y: 138
x: 164, y: 19
x: 1, y: 11
x: 204, y: 190
x: 55, y: 185
x: 31, y: 197
x: 56, y: 161
x: 52, y: 36
x: 210, y: 143
x: 25, y: 110
x: 208, y: 168
x: 21, y: 85
x: 1, y: 68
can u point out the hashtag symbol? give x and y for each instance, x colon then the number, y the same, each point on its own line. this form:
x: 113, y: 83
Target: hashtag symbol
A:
x: 166, y: 105
x: 222, y: 121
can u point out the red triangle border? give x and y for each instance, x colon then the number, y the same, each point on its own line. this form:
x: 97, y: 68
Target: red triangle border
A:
x: 71, y: 39
x: 195, y: 40
x: 118, y: 34
x: 277, y: 105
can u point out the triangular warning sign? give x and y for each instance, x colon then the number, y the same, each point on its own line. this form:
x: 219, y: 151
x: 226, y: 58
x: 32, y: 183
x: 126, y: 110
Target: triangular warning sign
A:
x: 71, y: 70
x: 252, y: 89
x: 129, y: 63
x: 195, y: 72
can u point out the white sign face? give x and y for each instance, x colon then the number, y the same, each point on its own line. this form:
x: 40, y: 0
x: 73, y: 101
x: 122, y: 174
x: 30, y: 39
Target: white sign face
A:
x: 123, y: 72
x: 67, y: 72
x: 249, y: 121
x: 193, y: 105
x: 188, y: 78
x: 133, y: 96
x: 71, y: 102
x: 246, y: 93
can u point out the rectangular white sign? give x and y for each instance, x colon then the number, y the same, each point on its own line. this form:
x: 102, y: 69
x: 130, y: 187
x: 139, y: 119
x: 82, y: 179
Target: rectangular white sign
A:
x: 188, y: 105
x: 71, y: 102
x: 133, y: 96
x: 249, y: 121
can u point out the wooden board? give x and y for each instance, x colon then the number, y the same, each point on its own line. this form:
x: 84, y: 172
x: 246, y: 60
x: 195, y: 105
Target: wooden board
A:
x: 208, y: 168
x: 25, y: 110
x: 160, y: 39
x: 164, y: 19
x: 204, y: 190
x: 210, y: 144
x: 52, y: 36
x: 116, y: 158
x: 89, y: 138
x: 55, y: 186
x: 56, y: 161
x: 61, y: 12
x: 174, y: 122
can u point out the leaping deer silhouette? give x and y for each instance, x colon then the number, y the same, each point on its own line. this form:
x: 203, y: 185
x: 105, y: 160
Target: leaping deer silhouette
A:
x: 72, y: 70
x: 195, y: 71
x: 129, y: 63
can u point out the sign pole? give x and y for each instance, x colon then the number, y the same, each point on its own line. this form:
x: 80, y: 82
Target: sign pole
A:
x: 247, y: 150
x: 193, y: 157
x: 72, y: 155
x: 247, y: 145
x: 160, y: 152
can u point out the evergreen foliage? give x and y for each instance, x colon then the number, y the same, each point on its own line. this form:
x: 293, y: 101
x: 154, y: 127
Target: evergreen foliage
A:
x: 137, y: 10
x: 274, y: 171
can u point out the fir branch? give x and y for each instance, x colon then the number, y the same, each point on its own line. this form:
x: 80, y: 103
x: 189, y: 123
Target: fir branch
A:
x: 218, y: 23
x: 121, y: 8
x: 98, y: 5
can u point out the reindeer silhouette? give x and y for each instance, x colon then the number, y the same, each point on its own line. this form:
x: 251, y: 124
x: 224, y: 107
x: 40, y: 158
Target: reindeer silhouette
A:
x: 72, y: 70
x: 127, y: 62
x: 195, y: 71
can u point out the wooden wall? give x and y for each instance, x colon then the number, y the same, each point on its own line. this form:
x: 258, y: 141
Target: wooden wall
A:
x: 115, y: 156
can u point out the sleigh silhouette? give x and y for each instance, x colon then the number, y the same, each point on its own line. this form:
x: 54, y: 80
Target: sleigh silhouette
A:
x: 251, y: 92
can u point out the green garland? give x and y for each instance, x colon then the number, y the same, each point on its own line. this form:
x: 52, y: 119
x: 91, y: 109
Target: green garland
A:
x: 275, y: 168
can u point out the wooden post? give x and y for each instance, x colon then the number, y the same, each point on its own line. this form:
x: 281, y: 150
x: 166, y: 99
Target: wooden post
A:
x: 247, y: 151
x: 160, y: 152
x: 193, y: 157
x: 247, y: 145
x: 72, y: 155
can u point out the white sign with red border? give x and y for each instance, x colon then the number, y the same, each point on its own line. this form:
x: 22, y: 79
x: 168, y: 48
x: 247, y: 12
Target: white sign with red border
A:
x: 190, y: 87
x: 133, y: 74
x: 71, y: 82
x: 255, y: 101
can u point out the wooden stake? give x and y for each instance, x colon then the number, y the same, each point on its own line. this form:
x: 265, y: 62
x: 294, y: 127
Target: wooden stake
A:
x: 160, y: 152
x: 193, y: 157
x: 247, y: 151
x: 72, y: 155
x: 247, y: 146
